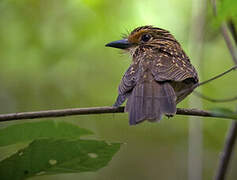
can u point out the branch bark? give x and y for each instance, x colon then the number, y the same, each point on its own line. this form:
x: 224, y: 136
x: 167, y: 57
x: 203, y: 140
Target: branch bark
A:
x: 97, y: 110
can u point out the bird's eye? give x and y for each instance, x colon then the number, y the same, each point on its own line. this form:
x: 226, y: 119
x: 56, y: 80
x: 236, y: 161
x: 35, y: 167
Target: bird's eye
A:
x: 146, y: 37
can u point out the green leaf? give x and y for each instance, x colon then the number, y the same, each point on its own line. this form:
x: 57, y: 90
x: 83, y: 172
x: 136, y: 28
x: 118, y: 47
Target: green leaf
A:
x: 7, y: 151
x: 43, y: 129
x: 224, y: 112
x: 53, y: 156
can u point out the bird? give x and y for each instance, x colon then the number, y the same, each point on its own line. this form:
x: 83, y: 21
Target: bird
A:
x: 159, y: 77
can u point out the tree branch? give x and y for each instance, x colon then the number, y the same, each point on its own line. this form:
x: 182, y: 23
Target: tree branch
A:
x: 96, y: 110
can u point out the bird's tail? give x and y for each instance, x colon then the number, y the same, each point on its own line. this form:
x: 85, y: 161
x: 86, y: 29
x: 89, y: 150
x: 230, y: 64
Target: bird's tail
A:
x: 149, y: 101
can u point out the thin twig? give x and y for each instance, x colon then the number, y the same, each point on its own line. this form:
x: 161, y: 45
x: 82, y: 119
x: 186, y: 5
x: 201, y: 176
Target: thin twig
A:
x: 207, y: 81
x: 232, y: 30
x: 227, y: 152
x: 217, y: 76
x: 96, y: 110
x: 214, y: 100
x: 228, y: 43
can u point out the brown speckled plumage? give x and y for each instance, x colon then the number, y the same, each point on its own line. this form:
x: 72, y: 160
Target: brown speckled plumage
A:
x: 159, y: 71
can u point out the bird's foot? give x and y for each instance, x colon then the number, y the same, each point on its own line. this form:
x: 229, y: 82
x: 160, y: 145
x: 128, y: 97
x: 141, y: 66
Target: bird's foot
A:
x: 169, y: 115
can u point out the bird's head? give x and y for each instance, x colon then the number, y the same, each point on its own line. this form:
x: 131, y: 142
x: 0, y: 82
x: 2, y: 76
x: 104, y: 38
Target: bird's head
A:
x: 144, y: 36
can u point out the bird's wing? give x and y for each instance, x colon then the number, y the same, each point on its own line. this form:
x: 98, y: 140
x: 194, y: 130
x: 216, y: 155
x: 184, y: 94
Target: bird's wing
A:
x: 129, y: 79
x: 172, y: 65
x: 127, y: 83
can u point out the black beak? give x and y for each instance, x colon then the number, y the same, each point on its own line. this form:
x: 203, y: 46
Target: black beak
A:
x: 121, y: 44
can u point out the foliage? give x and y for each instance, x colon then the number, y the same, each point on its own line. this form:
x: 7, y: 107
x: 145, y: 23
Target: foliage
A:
x: 43, y: 129
x: 54, y: 148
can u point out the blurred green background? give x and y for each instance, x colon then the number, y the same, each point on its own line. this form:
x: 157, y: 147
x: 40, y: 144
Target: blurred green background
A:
x: 52, y: 56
